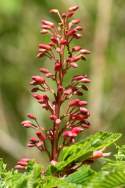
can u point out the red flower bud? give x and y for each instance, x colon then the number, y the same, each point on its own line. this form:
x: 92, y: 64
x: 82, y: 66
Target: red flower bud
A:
x: 74, y: 65
x: 45, y: 46
x: 68, y: 134
x: 19, y: 167
x: 49, y: 75
x: 44, y: 31
x: 39, y: 55
x: 76, y: 21
x: 79, y: 77
x: 74, y: 102
x: 46, y: 27
x: 31, y: 116
x: 26, y: 123
x: 85, y: 80
x: 74, y: 59
x: 78, y: 28
x: 60, y: 89
x: 70, y: 14
x: 84, y: 51
x: 54, y: 40
x: 63, y: 42
x: 83, y: 110
x: 38, y: 80
x: 97, y: 154
x: 77, y: 35
x: 76, y: 130
x: 58, y: 66
x: 39, y: 144
x: 41, y: 136
x: 68, y: 91
x: 73, y: 8
x: 77, y: 102
x: 77, y: 117
x: 22, y: 163
x: 40, y: 98
x: 33, y: 140
x: 45, y: 22
x: 82, y: 103
x: 71, y: 32
x: 58, y: 121
x: 76, y: 48
x: 53, y: 117
x: 30, y: 145
x: 44, y: 70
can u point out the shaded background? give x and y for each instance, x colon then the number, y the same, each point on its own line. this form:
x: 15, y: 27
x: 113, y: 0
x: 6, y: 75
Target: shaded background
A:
x: 104, y: 34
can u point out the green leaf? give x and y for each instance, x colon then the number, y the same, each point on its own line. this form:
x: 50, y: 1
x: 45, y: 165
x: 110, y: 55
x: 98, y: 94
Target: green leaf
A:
x: 121, y: 153
x: 51, y: 182
x: 82, y: 176
x: 83, y: 149
x: 111, y: 176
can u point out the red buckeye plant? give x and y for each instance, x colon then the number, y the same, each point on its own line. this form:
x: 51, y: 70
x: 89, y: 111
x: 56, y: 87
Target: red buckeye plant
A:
x: 68, y: 125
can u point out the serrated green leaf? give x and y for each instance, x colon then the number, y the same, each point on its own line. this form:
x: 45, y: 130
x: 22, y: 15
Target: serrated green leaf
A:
x: 83, y: 149
x: 81, y: 176
x: 111, y: 176
x: 121, y: 153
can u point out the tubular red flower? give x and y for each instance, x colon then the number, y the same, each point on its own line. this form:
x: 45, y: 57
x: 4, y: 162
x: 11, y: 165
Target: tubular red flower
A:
x: 73, y: 8
x: 76, y: 21
x: 71, y: 32
x: 38, y: 80
x: 45, y: 46
x: 41, y: 136
x: 53, y: 117
x: 26, y: 123
x: 63, y: 42
x: 44, y: 31
x: 78, y: 117
x: 84, y: 51
x: 31, y: 116
x: 58, y: 66
x: 41, y: 98
x: 76, y: 48
x: 44, y: 70
x: 45, y: 22
x: 74, y: 59
x: 77, y: 35
x: 33, y: 140
x: 76, y: 130
x: 54, y: 39
x: 74, y: 65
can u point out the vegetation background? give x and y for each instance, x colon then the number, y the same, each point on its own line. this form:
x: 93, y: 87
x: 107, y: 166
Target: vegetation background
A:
x: 104, y: 34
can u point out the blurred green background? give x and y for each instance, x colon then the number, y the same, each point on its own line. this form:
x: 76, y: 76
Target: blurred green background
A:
x: 104, y: 34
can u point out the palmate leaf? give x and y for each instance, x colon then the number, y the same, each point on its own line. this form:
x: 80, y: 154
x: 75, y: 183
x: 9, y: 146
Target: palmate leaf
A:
x: 111, y: 176
x: 82, y: 176
x: 54, y: 182
x: 83, y: 149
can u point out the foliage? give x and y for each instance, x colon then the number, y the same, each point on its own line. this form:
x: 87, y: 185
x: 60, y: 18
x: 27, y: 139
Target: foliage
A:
x: 110, y: 174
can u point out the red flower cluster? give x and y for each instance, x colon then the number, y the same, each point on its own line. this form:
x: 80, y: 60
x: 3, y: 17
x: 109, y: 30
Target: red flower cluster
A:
x: 22, y: 164
x: 74, y: 120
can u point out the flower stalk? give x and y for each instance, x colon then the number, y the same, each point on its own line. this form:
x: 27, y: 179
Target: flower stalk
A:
x: 68, y: 125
